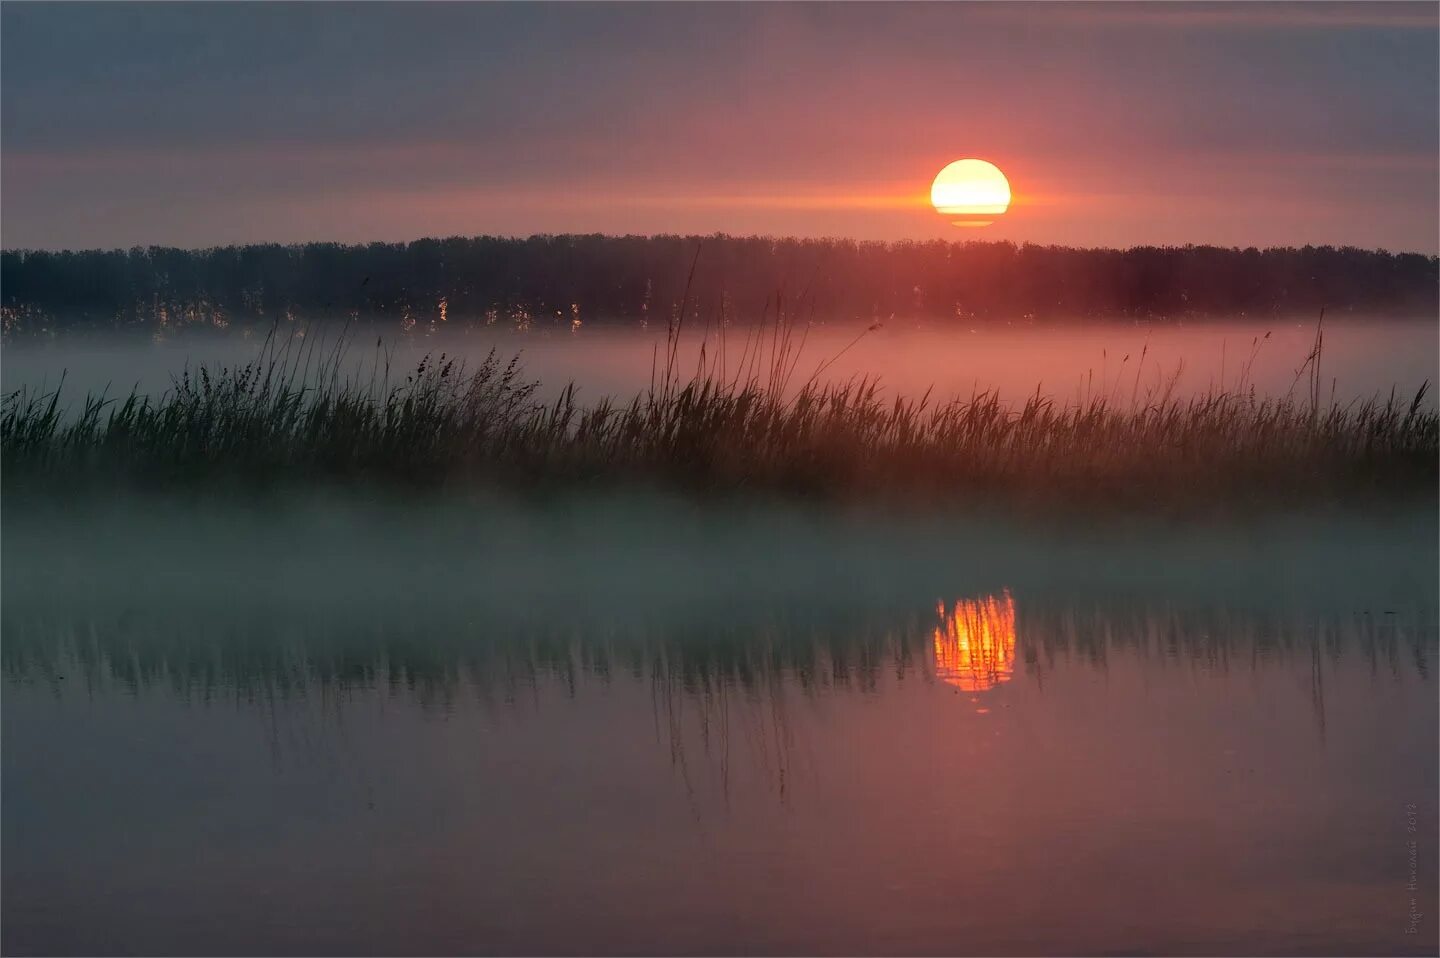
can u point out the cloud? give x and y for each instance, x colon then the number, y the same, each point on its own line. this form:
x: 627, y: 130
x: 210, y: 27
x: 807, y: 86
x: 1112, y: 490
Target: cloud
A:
x: 1248, y: 15
x: 200, y: 123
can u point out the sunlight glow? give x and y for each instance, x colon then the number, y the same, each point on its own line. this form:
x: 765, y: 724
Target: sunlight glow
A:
x: 974, y: 190
x: 974, y: 644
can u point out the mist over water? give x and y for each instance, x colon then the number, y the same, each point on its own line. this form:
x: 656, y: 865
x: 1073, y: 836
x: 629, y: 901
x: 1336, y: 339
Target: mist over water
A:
x: 613, y: 552
x: 1124, y: 361
x: 724, y: 479
x: 318, y: 719
x: 342, y: 724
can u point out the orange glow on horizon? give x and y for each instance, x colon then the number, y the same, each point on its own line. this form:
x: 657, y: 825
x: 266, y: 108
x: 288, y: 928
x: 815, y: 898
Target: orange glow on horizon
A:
x: 974, y: 644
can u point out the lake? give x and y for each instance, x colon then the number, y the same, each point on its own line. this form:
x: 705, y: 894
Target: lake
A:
x: 345, y: 724
x: 1362, y: 356
x: 342, y: 722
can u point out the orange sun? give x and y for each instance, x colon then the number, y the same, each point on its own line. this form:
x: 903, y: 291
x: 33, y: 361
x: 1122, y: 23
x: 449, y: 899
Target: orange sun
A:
x: 973, y: 190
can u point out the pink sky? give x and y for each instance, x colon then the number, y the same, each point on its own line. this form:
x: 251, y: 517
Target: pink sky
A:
x: 1117, y: 125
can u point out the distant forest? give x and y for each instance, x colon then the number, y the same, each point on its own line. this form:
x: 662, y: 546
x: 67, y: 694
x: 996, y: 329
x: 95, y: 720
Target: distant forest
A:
x: 592, y: 278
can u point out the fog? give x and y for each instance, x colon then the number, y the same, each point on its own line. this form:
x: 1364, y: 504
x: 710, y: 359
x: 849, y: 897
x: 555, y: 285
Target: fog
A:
x: 593, y: 723
x: 1123, y: 361
x: 587, y: 723
x: 593, y: 558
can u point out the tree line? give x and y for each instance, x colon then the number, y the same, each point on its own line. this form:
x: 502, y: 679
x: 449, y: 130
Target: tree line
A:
x: 562, y: 278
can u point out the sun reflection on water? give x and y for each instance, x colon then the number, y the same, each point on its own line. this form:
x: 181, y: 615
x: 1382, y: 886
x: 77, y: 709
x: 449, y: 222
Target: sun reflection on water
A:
x: 974, y: 642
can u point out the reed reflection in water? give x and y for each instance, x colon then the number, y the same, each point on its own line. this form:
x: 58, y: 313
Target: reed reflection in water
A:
x: 435, y: 661
x: 464, y: 784
x: 974, y: 643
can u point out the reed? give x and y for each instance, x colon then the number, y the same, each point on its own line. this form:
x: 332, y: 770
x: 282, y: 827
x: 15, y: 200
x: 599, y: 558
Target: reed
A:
x: 736, y: 424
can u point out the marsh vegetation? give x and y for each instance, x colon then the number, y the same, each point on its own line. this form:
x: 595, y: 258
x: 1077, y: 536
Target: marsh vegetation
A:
x: 747, y: 416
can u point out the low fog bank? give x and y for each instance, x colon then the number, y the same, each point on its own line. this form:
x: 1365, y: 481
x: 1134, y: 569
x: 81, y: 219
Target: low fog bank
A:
x: 1363, y: 357
x: 615, y: 559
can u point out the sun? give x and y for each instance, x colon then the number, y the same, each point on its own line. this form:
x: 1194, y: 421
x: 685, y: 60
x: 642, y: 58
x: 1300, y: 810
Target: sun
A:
x: 973, y: 190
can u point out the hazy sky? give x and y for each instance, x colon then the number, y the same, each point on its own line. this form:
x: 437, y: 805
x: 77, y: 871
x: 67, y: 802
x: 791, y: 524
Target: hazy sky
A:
x: 200, y: 124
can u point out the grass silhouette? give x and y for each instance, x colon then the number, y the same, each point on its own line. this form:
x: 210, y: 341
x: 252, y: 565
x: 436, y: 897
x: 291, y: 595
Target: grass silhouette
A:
x: 725, y: 426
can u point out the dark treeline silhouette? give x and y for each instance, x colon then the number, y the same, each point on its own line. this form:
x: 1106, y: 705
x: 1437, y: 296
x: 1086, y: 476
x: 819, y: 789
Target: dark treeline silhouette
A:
x: 630, y: 278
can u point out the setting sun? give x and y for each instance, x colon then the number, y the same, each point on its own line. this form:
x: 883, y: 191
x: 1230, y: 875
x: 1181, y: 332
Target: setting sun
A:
x: 513, y: 603
x: 973, y: 190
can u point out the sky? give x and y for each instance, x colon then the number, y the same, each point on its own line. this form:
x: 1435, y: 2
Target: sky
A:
x: 193, y: 124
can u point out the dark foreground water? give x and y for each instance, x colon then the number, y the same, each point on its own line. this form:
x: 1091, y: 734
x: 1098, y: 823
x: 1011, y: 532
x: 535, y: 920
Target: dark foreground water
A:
x: 634, y: 726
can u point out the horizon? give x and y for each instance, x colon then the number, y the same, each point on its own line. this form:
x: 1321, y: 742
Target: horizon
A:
x: 182, y: 126
x: 786, y: 478
x: 702, y: 237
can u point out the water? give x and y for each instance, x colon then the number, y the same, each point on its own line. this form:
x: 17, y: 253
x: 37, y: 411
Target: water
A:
x: 633, y: 725
x: 1362, y: 357
x: 325, y: 723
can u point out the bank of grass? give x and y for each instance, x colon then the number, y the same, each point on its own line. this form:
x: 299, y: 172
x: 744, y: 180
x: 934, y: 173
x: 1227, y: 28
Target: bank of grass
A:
x: 725, y: 427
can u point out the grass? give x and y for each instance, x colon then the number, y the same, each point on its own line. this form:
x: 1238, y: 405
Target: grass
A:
x: 727, y: 426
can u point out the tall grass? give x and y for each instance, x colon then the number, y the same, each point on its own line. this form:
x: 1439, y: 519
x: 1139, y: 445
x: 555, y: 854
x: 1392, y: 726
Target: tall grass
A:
x: 736, y: 424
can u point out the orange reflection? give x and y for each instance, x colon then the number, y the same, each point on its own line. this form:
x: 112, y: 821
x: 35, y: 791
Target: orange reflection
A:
x: 974, y: 644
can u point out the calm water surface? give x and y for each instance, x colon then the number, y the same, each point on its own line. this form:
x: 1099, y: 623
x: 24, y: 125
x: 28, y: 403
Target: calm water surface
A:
x: 637, y: 726
x: 1362, y: 357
